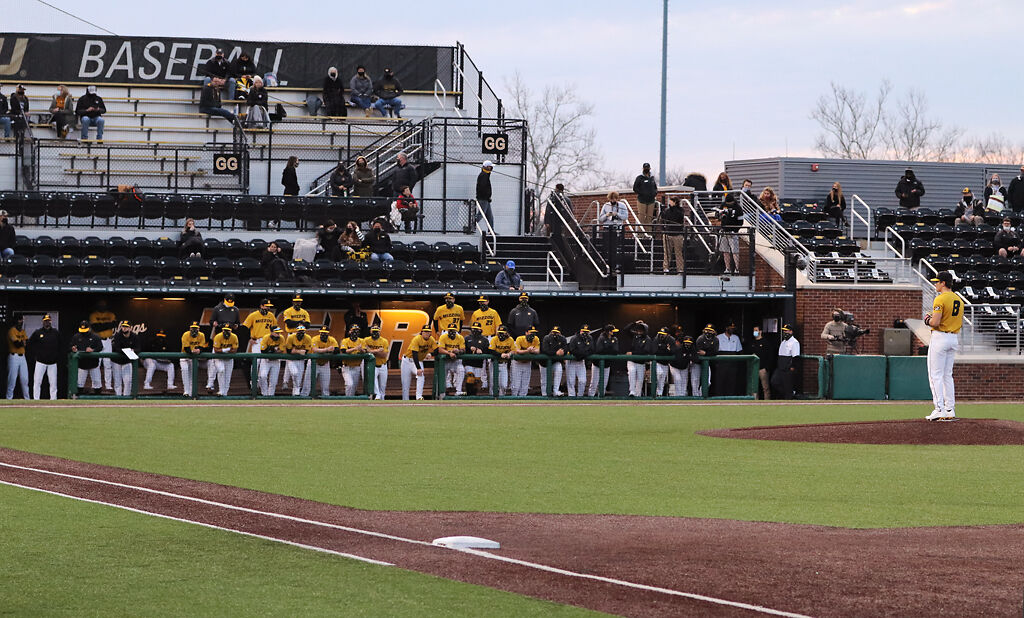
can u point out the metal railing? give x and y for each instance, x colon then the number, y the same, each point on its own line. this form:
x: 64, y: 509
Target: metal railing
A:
x: 865, y: 218
x: 490, y: 239
x: 380, y: 156
x: 560, y: 278
x: 576, y: 233
x: 890, y: 235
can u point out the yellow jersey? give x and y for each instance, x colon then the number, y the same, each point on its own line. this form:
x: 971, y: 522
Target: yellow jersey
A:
x: 331, y: 344
x: 16, y: 339
x: 188, y: 342
x: 349, y: 345
x: 952, y: 308
x: 272, y: 346
x: 220, y: 342
x: 451, y: 344
x: 502, y: 347
x: 294, y: 343
x: 103, y: 323
x: 421, y: 346
x: 372, y: 345
x: 522, y: 344
x: 291, y: 314
x: 443, y: 316
x: 489, y: 321
x: 259, y: 325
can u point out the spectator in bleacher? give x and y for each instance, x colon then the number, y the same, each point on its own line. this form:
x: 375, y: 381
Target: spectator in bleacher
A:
x: 19, y: 110
x: 672, y: 220
x: 351, y: 241
x: 483, y: 192
x: 62, y: 111
x: 559, y: 200
x: 722, y: 184
x: 7, y: 236
x: 646, y: 189
x: 731, y: 219
x: 5, y: 119
x: 190, y: 241
x: 378, y: 241
x: 361, y: 87
x: 218, y: 68
x: 995, y: 194
x: 770, y: 202
x: 835, y: 204
x: 747, y: 187
x: 289, y: 178
x: 388, y: 90
x: 405, y: 174
x: 333, y: 92
x: 363, y: 178
x: 258, y: 115
x: 508, y: 278
x: 1007, y: 240
x: 1015, y: 193
x: 909, y: 189
x: 327, y: 235
x: 209, y: 100
x: 243, y: 66
x: 341, y: 182
x: 969, y: 211
x: 273, y: 265
x: 90, y: 110
x: 408, y: 208
x: 613, y: 216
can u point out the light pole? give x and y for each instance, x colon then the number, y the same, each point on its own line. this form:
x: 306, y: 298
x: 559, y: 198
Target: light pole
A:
x: 664, y: 92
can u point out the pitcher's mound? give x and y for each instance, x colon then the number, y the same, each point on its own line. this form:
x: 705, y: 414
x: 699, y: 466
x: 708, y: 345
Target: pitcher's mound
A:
x: 983, y: 431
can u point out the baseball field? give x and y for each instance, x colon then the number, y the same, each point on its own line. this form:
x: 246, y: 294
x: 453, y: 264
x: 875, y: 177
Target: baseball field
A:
x: 838, y: 509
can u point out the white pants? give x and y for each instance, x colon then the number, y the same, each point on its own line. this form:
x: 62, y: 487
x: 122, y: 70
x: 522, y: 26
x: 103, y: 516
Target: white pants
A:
x: 501, y: 388
x: 409, y: 372
x: 454, y: 374
x: 122, y: 380
x: 595, y: 375
x: 380, y: 381
x: 352, y: 376
x: 152, y: 365
x: 17, y: 369
x: 484, y: 373
x: 298, y: 372
x: 576, y: 378
x: 107, y: 365
x: 941, y: 353
x: 268, y: 372
x: 37, y: 379
x: 556, y: 376
x: 682, y: 377
x: 221, y: 370
x: 94, y: 373
x: 661, y: 379
x: 636, y: 373
x: 186, y: 376
x: 521, y: 374
x: 323, y: 379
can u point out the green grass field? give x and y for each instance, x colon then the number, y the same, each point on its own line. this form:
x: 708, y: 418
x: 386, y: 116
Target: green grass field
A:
x: 632, y: 459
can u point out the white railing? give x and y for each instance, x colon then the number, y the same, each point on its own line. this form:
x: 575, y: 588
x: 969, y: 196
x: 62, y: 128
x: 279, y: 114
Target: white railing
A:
x: 442, y: 100
x: 634, y: 225
x: 486, y: 231
x: 902, y: 251
x: 602, y: 272
x: 865, y: 219
x: 397, y: 143
x: 551, y: 273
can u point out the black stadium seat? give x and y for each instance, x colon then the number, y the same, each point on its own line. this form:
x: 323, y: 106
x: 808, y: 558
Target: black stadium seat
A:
x: 116, y: 245
x: 248, y: 267
x: 43, y: 265
x: 325, y: 270
x: 119, y: 266
x: 67, y: 266
x: 194, y: 267
x: 169, y: 267
x: 44, y: 245
x: 144, y: 266
x: 69, y: 245
x: 93, y: 266
x: 398, y: 270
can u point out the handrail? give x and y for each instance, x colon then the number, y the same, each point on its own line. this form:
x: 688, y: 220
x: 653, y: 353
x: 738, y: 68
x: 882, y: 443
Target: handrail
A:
x: 586, y: 213
x: 854, y: 213
x: 636, y: 237
x: 903, y: 244
x: 700, y: 237
x: 405, y: 131
x: 489, y: 248
x: 551, y: 273
x: 565, y: 225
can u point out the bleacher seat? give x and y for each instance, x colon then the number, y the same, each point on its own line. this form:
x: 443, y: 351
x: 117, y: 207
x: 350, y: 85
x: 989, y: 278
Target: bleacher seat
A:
x: 398, y: 270
x: 119, y: 266
x: 144, y: 266
x: 117, y: 246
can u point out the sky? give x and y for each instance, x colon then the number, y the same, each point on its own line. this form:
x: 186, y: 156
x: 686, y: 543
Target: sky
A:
x: 743, y: 75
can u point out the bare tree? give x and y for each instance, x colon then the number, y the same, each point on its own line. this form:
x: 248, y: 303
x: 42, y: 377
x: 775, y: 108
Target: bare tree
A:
x: 675, y: 176
x: 992, y: 149
x: 561, y: 144
x: 850, y: 124
x: 912, y: 136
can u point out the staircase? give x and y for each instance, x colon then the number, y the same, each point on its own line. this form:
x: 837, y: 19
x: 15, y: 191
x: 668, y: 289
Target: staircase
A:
x: 530, y: 255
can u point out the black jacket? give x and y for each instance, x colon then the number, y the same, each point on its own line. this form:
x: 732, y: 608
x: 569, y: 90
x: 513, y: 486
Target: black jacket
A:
x: 673, y: 219
x: 646, y: 188
x: 341, y: 181
x: 663, y: 345
x: 217, y: 67
x: 7, y: 236
x: 608, y: 345
x: 766, y: 352
x: 1015, y: 193
x: 708, y: 343
x: 4, y: 105
x: 730, y: 217
x: 333, y: 89
x: 290, y: 181
x: 483, y: 186
x: 552, y: 343
x: 910, y: 192
x: 90, y: 100
x: 18, y: 104
x: 1005, y: 239
x: 82, y: 341
x: 121, y: 341
x: 241, y: 67
x: 640, y: 343
x: 257, y: 96
x: 209, y: 96
x: 222, y: 314
x: 830, y: 203
x: 378, y: 241
x: 684, y: 356
x: 351, y: 319
x: 387, y: 88
x: 45, y: 345
x: 977, y: 208
x: 404, y: 175
x: 479, y: 342
x: 159, y: 344
x: 520, y: 319
x: 581, y: 346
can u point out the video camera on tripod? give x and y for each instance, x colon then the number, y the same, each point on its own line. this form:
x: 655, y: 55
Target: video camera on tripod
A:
x: 852, y: 332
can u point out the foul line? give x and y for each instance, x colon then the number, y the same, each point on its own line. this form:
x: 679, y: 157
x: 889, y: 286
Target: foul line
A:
x: 482, y: 554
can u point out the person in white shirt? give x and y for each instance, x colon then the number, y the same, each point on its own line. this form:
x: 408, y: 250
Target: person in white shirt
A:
x: 614, y: 214
x: 728, y: 341
x: 784, y: 377
x: 730, y: 376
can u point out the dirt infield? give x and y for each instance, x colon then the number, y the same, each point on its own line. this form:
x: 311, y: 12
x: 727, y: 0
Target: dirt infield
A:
x: 964, y: 431
x: 812, y: 570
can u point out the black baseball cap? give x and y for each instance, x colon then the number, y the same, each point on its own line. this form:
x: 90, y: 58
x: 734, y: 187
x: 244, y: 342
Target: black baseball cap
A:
x: 946, y: 277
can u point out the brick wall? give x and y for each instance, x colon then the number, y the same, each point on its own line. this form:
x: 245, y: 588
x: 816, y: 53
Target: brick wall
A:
x: 1002, y: 381
x: 873, y: 308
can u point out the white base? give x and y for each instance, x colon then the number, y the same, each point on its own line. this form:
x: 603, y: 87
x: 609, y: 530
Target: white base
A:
x: 466, y: 542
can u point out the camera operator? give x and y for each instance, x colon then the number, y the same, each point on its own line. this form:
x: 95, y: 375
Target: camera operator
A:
x: 835, y: 333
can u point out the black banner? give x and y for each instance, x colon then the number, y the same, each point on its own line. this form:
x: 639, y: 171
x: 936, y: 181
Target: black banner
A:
x: 168, y: 60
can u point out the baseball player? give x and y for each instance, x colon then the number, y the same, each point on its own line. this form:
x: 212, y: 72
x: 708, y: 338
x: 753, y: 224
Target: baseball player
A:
x: 292, y: 317
x: 419, y: 350
x: 608, y: 344
x: 124, y: 338
x: 324, y: 344
x: 103, y: 323
x: 664, y: 345
x: 489, y: 321
x: 352, y: 369
x: 158, y: 344
x: 192, y: 343
x: 378, y: 346
x: 945, y: 320
x: 501, y: 346
x: 299, y: 345
x: 581, y: 346
x: 225, y: 313
x: 477, y: 343
x: 453, y: 345
x: 260, y: 324
x: 269, y: 369
x: 641, y: 344
x: 85, y: 341
x: 707, y: 346
x: 522, y: 371
x: 449, y: 312
x: 556, y: 346
x: 225, y: 342
x: 685, y: 367
x: 17, y: 366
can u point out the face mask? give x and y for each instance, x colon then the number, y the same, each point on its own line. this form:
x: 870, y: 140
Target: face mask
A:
x: 503, y: 336
x: 362, y: 73
x: 786, y: 336
x: 837, y: 317
x: 757, y: 333
x: 451, y: 334
x: 1006, y: 226
x: 449, y: 303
